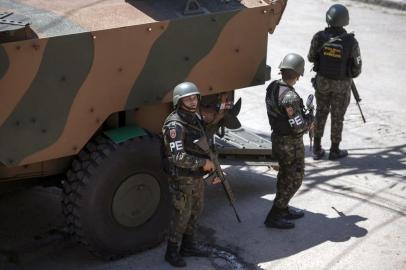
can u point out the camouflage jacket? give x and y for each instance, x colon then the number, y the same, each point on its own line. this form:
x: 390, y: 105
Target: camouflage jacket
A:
x: 180, y: 130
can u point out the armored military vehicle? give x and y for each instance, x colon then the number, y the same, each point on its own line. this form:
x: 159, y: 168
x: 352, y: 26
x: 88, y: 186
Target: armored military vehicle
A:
x: 86, y: 85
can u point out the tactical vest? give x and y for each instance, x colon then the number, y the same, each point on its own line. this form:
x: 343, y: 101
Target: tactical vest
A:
x: 334, y: 57
x: 193, y: 131
x: 278, y: 119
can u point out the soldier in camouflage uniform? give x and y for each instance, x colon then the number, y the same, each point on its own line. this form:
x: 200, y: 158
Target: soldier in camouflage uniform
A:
x: 336, y: 57
x: 187, y: 164
x: 288, y: 122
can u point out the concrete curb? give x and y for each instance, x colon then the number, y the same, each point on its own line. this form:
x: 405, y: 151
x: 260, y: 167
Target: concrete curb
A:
x: 395, y: 4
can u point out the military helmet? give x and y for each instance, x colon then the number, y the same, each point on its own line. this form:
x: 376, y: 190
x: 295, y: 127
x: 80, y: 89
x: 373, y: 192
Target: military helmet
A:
x: 183, y: 90
x: 337, y: 15
x: 293, y: 61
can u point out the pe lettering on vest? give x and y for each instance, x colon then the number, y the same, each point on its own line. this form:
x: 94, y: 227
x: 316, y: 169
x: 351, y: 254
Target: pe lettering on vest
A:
x: 297, y: 121
x: 176, y: 145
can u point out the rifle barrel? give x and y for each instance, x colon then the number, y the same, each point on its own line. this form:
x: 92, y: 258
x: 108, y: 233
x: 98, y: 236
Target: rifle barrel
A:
x: 362, y: 115
x: 355, y: 91
x: 224, y: 183
x: 357, y: 99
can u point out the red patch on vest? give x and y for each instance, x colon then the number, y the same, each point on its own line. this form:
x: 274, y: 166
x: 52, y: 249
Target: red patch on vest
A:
x: 172, y: 133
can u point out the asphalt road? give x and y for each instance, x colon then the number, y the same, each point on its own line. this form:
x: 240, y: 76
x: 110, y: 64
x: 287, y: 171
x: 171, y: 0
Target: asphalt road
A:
x: 355, y: 208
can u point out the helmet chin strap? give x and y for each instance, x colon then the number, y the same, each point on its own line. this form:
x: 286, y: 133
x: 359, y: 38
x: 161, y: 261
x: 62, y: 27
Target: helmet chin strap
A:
x: 189, y: 109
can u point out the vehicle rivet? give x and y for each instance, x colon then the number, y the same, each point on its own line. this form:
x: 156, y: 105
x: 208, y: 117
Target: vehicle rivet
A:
x: 17, y: 123
x: 94, y: 37
x: 97, y: 121
x: 33, y: 120
x: 10, y: 161
x: 18, y: 47
x: 120, y: 69
x: 75, y: 148
x: 91, y: 110
x: 265, y: 11
x: 43, y: 130
x: 210, y: 88
x: 237, y: 50
x: 149, y: 29
x: 186, y: 58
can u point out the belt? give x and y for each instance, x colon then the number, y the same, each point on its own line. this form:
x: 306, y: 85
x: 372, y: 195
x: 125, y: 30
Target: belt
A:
x: 287, y: 138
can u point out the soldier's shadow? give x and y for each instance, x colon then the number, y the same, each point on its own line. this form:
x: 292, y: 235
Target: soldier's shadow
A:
x: 270, y: 244
x: 384, y: 162
x: 312, y: 230
x: 256, y: 243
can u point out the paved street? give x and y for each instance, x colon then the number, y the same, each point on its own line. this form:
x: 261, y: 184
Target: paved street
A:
x: 355, y: 208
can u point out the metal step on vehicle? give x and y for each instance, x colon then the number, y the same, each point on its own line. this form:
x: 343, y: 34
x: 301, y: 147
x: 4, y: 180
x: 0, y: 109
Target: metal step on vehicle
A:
x: 245, y: 146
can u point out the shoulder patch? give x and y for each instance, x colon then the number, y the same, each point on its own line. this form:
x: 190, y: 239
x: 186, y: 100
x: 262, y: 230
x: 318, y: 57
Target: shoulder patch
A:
x: 172, y: 133
x: 290, y: 111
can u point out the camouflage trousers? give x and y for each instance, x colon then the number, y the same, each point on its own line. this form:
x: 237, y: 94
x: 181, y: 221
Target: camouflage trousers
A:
x: 331, y: 96
x: 187, y: 199
x: 289, y: 151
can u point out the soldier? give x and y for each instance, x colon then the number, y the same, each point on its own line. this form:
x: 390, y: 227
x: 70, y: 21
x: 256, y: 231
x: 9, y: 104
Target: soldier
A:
x: 336, y: 57
x: 288, y: 122
x: 186, y: 166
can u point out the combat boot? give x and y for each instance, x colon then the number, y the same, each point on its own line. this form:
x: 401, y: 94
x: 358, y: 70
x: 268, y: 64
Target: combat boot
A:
x: 318, y: 151
x: 293, y: 213
x: 191, y: 247
x: 336, y: 153
x: 172, y: 255
x: 275, y: 219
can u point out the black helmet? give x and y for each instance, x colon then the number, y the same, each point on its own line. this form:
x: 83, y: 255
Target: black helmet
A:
x: 183, y: 90
x: 337, y: 15
x: 293, y: 61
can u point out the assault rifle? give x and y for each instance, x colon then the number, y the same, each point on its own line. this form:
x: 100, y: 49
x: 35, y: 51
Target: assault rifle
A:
x: 357, y: 99
x: 204, y: 145
x: 310, y: 110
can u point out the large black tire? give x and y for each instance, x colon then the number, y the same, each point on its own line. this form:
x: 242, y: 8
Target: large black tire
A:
x: 115, y: 197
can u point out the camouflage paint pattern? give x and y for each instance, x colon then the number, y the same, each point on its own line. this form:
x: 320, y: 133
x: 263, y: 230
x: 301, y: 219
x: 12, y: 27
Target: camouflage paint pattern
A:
x: 56, y: 91
x: 332, y: 96
x: 289, y: 151
x: 187, y: 200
